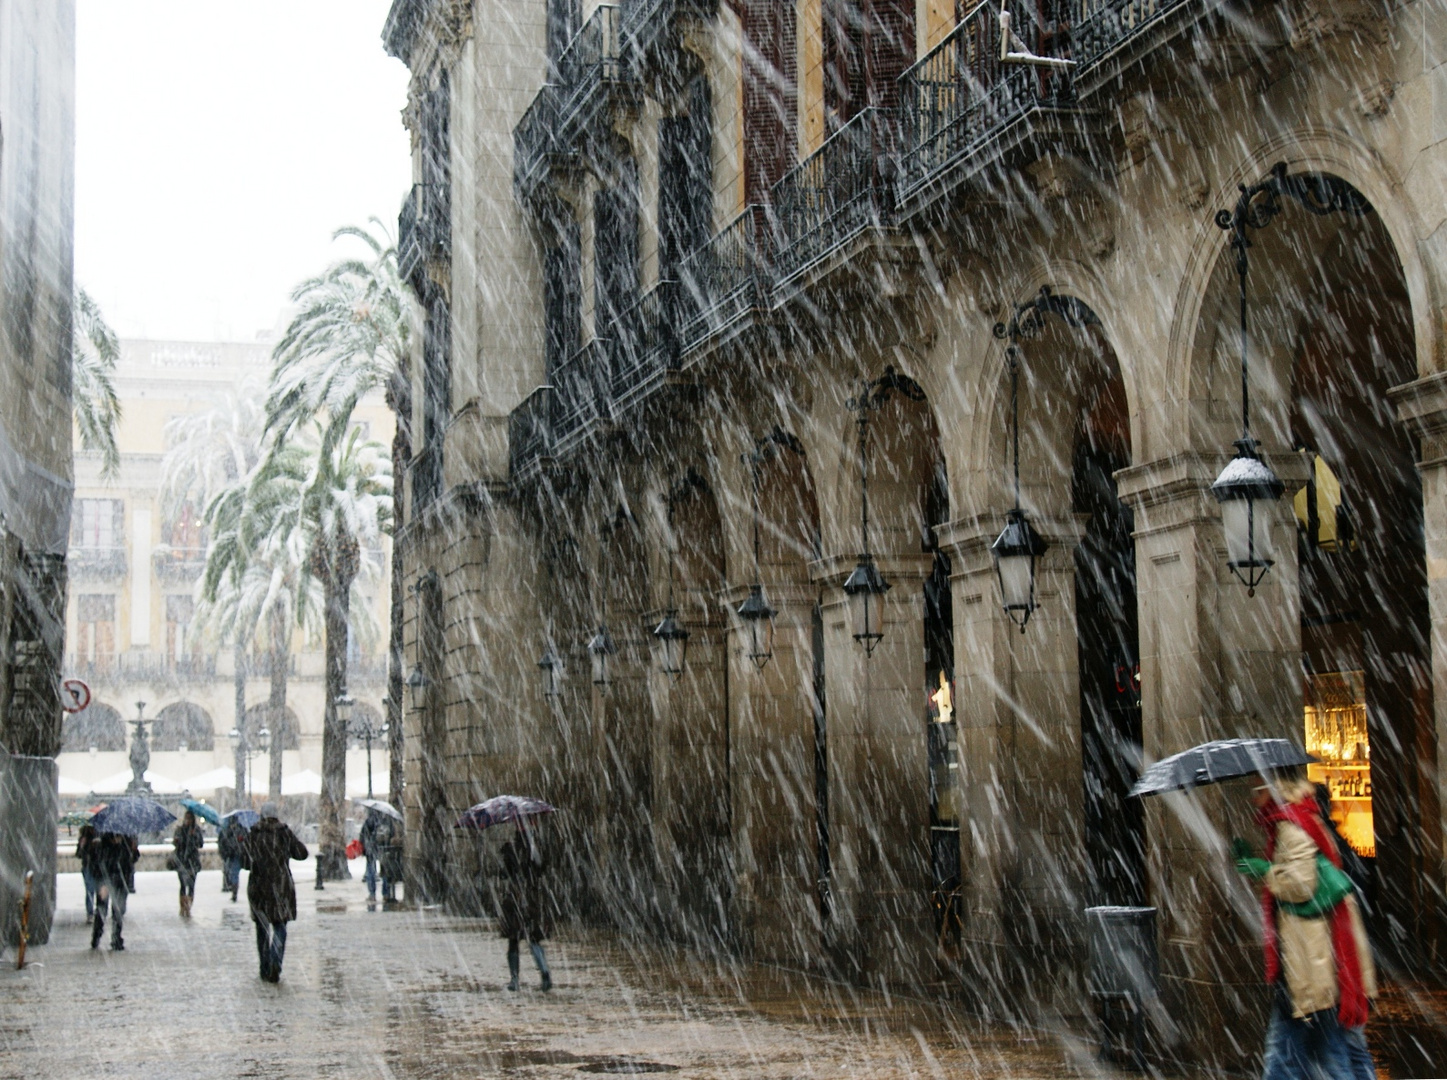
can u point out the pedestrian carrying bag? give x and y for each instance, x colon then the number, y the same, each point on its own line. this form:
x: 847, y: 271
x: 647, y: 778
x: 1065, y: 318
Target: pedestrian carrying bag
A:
x: 1332, y: 887
x: 171, y: 863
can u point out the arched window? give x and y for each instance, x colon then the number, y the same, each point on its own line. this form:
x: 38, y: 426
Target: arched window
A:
x: 97, y: 725
x: 183, y: 723
x: 259, y: 716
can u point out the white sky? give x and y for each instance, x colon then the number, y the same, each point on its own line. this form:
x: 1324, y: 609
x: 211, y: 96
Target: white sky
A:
x: 218, y: 145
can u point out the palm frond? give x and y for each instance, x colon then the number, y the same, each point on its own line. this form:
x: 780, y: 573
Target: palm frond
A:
x: 95, y: 351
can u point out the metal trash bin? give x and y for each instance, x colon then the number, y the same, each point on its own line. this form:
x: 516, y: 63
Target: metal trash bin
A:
x: 1124, y: 970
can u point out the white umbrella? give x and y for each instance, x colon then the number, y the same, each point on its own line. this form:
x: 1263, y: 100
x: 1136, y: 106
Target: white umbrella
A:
x: 379, y: 806
x: 121, y: 780
x: 305, y: 782
x: 74, y: 787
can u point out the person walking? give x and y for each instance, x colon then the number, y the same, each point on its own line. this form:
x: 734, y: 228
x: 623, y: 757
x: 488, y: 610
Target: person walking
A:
x: 1318, y: 961
x: 524, y: 910
x: 266, y: 851
x: 389, y: 853
x: 113, y: 868
x: 83, y: 841
x: 187, y: 841
x: 228, y: 847
x: 371, y: 851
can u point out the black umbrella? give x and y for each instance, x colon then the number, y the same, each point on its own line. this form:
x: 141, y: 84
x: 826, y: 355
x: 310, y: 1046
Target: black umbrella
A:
x: 1221, y: 759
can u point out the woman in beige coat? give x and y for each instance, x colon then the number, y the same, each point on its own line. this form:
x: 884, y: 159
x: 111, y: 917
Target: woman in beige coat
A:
x: 1318, y: 961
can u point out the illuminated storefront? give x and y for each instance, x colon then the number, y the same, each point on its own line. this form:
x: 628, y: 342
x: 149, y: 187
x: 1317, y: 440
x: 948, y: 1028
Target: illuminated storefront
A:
x: 1336, y: 732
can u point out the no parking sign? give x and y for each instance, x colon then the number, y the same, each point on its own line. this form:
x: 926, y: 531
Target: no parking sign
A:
x: 74, y: 695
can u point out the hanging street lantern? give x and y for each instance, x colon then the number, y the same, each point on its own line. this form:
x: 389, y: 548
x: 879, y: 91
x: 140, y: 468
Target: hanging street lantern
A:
x: 552, y: 672
x: 1247, y: 486
x: 865, y: 588
x: 758, y: 619
x: 417, y: 684
x: 670, y: 644
x: 600, y: 647
x: 263, y: 739
x: 1015, y: 551
x: 344, y: 709
x: 1247, y: 489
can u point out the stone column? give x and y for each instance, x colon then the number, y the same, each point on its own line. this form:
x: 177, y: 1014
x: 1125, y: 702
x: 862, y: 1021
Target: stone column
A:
x: 771, y: 773
x: 1018, y: 708
x: 879, y: 777
x: 1215, y: 663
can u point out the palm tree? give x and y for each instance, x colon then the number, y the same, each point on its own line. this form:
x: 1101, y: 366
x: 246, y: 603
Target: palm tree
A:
x: 354, y: 333
x: 208, y: 453
x: 95, y: 351
x: 341, y: 500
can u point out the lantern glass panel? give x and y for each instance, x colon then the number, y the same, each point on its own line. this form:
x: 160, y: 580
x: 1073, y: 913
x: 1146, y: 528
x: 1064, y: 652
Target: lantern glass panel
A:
x: 868, y: 615
x: 761, y: 641
x: 1017, y: 573
x: 600, y: 667
x: 1247, y: 524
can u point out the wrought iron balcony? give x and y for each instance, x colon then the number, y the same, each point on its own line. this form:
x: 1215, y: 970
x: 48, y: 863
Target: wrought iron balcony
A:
x: 645, y: 347
x: 173, y: 564
x: 96, y: 563
x: 582, y: 396
x: 961, y: 97
x: 536, y: 148
x: 1108, y: 35
x: 570, y: 110
x: 833, y: 196
x: 727, y: 280
x: 424, y: 231
x: 530, y: 435
x: 649, y: 40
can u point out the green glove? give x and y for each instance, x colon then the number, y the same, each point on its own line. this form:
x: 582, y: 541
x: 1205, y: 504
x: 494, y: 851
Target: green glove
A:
x: 1332, y: 887
x: 1240, y: 849
x: 1253, y: 868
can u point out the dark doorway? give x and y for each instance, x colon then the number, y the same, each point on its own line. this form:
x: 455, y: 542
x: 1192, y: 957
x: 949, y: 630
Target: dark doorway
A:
x: 944, y: 769
x: 1108, y: 644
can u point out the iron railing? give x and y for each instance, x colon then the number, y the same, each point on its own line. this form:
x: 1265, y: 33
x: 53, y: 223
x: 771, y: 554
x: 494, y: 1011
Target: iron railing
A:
x: 1098, y: 27
x: 178, y: 564
x: 424, y: 229
x: 645, y: 346
x: 961, y: 94
x: 535, y: 144
x: 647, y: 25
x: 582, y: 388
x: 530, y: 434
x: 590, y: 67
x: 833, y: 195
x: 96, y: 563
x: 725, y: 279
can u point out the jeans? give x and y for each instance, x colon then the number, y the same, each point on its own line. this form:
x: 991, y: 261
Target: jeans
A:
x: 270, y: 948
x: 1360, y: 1058
x: 231, y: 875
x: 370, y: 877
x: 89, y: 892
x: 1314, y: 1047
x: 113, y: 896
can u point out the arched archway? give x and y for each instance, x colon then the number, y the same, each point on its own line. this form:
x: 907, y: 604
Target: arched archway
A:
x: 183, y: 725
x: 287, y: 733
x: 97, y: 725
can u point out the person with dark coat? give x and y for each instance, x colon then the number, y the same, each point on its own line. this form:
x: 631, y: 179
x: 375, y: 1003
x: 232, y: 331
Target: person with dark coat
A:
x: 389, y: 853
x: 187, y: 841
x: 228, y: 847
x: 113, y: 867
x: 83, y: 841
x: 371, y: 851
x: 266, y: 851
x: 524, y: 909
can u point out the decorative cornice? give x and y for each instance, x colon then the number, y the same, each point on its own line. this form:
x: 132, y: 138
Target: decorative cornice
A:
x: 1422, y: 404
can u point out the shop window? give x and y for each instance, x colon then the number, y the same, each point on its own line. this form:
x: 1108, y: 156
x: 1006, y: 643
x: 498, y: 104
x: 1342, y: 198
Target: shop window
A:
x: 1336, y: 732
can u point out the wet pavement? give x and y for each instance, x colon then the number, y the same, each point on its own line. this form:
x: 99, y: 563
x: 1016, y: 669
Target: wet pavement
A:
x: 418, y: 994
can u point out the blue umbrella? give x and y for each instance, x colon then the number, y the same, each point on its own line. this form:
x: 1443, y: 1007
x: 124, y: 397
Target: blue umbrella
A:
x: 244, y: 818
x: 202, y: 811
x: 130, y: 816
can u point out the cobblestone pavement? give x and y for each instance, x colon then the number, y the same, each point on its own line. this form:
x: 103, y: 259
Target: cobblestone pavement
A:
x: 416, y: 994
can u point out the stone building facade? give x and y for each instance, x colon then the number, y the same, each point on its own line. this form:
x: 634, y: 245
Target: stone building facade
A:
x: 37, y: 187
x: 691, y: 271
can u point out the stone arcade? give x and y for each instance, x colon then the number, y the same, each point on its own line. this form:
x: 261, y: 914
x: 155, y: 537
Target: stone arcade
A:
x: 664, y: 249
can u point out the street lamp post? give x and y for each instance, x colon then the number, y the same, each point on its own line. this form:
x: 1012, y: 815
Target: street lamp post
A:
x: 362, y: 727
x: 1247, y: 487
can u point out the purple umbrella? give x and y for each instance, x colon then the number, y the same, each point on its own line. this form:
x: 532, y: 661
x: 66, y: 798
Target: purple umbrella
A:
x: 501, y: 809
